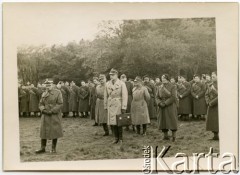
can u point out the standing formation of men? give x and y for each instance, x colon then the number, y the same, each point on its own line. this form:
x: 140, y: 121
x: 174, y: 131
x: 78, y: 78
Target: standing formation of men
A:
x: 167, y: 99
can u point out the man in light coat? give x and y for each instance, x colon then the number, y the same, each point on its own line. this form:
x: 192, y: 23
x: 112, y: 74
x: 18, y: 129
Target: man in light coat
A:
x: 115, y: 102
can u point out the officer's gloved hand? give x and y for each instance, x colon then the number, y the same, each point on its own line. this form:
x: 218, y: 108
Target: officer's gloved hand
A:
x: 123, y: 111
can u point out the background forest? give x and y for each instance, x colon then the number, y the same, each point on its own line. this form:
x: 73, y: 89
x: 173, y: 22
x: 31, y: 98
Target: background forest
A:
x: 133, y: 47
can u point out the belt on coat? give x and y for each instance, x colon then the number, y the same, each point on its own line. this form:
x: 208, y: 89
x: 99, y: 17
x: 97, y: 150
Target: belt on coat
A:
x: 115, y: 98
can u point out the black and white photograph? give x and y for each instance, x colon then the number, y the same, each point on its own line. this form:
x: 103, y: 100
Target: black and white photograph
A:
x: 103, y: 88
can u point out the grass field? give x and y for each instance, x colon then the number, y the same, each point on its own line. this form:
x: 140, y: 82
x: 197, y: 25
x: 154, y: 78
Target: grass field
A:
x: 82, y: 141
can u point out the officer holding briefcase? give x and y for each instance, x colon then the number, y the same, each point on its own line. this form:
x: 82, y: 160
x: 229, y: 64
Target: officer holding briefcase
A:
x: 115, y: 102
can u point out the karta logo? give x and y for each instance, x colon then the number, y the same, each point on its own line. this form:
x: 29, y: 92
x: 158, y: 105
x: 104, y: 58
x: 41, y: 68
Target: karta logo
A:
x: 152, y: 161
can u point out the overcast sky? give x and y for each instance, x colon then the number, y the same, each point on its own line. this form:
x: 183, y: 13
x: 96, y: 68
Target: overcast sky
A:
x: 60, y: 23
x: 47, y: 24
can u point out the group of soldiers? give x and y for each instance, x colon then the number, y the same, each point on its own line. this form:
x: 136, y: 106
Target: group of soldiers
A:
x: 167, y: 99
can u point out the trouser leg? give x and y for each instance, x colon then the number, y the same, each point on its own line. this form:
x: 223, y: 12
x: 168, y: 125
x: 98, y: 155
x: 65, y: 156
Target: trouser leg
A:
x: 138, y: 129
x: 105, y: 128
x: 144, y: 129
x: 43, y: 143
x: 116, y: 134
x: 120, y: 133
x: 174, y: 135
x: 54, y: 145
x: 133, y: 127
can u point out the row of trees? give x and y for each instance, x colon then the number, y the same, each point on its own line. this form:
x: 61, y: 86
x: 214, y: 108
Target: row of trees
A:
x: 134, y: 47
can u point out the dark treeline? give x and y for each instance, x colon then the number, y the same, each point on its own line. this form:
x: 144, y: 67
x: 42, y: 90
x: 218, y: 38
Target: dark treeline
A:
x: 133, y: 47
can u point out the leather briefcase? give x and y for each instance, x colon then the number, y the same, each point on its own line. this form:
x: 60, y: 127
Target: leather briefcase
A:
x: 124, y: 119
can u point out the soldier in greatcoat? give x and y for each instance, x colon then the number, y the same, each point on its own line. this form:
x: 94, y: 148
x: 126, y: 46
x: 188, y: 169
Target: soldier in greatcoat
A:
x: 51, y: 120
x: 211, y: 97
x: 92, y: 100
x: 83, y: 99
x: 198, y: 91
x: 139, y: 108
x: 100, y: 112
x: 152, y: 91
x: 73, y: 99
x: 167, y: 113
x: 65, y: 94
x: 34, y: 98
x: 184, y: 96
x: 115, y: 102
x: 24, y: 101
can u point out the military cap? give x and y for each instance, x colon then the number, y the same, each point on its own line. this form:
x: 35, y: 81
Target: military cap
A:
x: 48, y: 83
x: 113, y: 71
x: 196, y: 75
x: 101, y: 76
x: 95, y: 78
x: 138, y: 79
x: 146, y: 76
x: 166, y: 76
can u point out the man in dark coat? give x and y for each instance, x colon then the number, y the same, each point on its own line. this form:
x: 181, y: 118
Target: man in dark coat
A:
x: 51, y: 127
x: 152, y: 91
x: 92, y: 100
x: 198, y: 91
x: 83, y: 99
x: 184, y: 96
x: 211, y: 97
x: 24, y: 101
x: 65, y: 94
x: 33, y: 100
x: 73, y: 99
x: 166, y: 100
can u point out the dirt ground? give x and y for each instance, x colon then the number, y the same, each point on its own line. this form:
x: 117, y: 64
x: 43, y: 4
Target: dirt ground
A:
x: 82, y: 141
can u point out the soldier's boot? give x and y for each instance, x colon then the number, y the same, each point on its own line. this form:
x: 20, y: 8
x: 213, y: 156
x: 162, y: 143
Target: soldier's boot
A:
x: 144, y: 129
x: 105, y: 128
x: 120, y: 134
x: 116, y: 134
x: 215, y: 137
x: 54, y: 145
x: 173, y: 136
x: 198, y: 117
x: 43, y: 146
x: 127, y: 128
x: 138, y: 129
x: 95, y: 124
x: 166, y: 137
x: 203, y: 117
x: 180, y: 117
